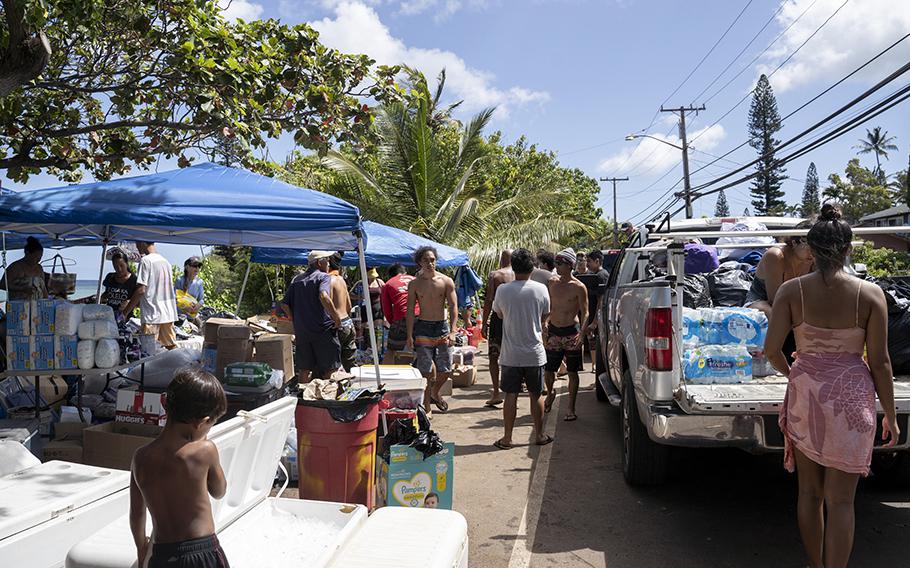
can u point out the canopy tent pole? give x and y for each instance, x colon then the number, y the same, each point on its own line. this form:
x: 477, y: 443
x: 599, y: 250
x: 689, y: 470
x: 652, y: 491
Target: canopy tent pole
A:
x: 107, y: 233
x: 5, y: 283
x: 366, y: 288
x: 249, y: 265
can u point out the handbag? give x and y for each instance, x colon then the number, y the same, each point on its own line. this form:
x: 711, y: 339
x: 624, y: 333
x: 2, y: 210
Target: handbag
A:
x: 62, y: 283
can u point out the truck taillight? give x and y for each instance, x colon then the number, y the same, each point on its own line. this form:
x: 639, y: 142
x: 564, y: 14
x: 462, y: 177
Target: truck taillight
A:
x: 659, y: 339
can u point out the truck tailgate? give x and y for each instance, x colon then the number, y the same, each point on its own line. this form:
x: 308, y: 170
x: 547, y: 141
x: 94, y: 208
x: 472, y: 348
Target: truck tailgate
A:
x: 762, y: 395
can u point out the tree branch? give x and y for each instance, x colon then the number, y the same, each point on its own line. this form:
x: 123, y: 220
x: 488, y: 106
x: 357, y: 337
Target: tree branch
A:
x: 121, y: 124
x: 27, y: 54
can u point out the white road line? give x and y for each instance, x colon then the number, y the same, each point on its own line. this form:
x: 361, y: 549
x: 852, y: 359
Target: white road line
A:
x: 524, y: 541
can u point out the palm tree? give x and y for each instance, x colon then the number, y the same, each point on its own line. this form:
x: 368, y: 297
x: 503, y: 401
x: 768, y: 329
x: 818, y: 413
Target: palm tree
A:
x: 878, y: 143
x: 419, y: 186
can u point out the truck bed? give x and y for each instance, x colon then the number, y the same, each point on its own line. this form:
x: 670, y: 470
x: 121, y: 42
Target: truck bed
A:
x: 763, y: 395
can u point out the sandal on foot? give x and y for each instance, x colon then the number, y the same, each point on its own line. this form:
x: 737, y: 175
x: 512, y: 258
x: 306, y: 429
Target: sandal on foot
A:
x: 493, y: 403
x: 571, y: 417
x: 547, y: 440
x: 442, y: 405
x: 502, y: 445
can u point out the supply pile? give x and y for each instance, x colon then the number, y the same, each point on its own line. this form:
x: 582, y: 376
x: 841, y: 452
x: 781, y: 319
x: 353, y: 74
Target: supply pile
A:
x: 724, y: 345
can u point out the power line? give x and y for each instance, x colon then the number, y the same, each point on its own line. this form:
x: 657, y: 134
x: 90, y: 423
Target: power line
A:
x: 776, y: 69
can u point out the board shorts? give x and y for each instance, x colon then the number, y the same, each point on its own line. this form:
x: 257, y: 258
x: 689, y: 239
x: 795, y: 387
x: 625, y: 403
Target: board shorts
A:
x: 205, y: 552
x: 347, y: 340
x: 398, y: 335
x: 511, y: 379
x: 495, y: 339
x: 431, y: 345
x: 563, y: 343
x: 318, y: 352
x: 163, y: 332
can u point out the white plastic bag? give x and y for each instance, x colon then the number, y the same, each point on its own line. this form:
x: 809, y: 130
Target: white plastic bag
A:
x: 745, y: 241
x: 107, y: 353
x: 97, y: 312
x: 68, y: 317
x: 85, y: 352
x: 105, y: 329
x: 87, y: 330
x: 160, y: 371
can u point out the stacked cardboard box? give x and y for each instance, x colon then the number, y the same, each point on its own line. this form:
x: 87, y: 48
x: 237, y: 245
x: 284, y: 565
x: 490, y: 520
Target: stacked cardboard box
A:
x: 277, y: 350
x: 225, y: 341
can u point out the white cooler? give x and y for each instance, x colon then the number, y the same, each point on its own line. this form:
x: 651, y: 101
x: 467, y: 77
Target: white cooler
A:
x: 405, y: 386
x: 256, y: 530
x: 47, y: 508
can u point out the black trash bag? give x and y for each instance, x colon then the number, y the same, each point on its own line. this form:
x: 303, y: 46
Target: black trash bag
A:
x: 423, y: 421
x: 401, y: 431
x: 346, y: 410
x: 696, y: 293
x: 728, y: 287
x: 897, y: 287
x: 427, y: 443
x: 899, y: 339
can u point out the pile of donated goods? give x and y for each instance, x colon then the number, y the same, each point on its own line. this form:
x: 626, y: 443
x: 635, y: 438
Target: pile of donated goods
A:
x: 724, y: 345
x: 55, y: 334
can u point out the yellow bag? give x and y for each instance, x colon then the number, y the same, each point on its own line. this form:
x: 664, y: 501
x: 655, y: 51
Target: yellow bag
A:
x: 187, y: 303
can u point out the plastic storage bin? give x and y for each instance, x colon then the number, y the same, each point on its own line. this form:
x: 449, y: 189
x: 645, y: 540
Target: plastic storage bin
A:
x: 404, y: 385
x: 336, y: 461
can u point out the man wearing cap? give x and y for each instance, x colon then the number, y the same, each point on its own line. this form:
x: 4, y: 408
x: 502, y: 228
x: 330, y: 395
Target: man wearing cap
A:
x: 562, y: 336
x: 316, y: 323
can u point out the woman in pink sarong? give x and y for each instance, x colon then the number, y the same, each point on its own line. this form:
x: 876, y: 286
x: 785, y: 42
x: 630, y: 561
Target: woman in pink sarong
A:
x: 828, y: 418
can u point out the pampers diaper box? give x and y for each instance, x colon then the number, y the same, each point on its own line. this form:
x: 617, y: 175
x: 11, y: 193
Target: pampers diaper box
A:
x: 408, y: 480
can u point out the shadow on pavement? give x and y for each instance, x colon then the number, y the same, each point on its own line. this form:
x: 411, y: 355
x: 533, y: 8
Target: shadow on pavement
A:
x: 721, y: 507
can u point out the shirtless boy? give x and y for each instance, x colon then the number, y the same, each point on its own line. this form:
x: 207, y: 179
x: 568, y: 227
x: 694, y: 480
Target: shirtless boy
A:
x: 341, y: 299
x: 562, y: 336
x: 430, y: 336
x: 493, y: 324
x: 174, y: 476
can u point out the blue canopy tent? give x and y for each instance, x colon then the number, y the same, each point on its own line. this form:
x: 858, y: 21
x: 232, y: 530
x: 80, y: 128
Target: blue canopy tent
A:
x: 205, y: 204
x: 385, y: 245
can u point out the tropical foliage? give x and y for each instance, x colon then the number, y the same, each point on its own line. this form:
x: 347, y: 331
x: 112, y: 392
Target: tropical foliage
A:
x: 810, y: 204
x: 878, y: 143
x: 860, y: 192
x: 127, y: 81
x: 764, y: 123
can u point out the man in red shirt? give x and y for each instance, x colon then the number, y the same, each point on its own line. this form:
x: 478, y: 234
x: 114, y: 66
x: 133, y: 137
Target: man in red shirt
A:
x: 394, y: 299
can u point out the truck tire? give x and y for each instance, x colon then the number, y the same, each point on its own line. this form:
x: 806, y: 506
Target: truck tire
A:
x: 599, y: 368
x: 644, y: 462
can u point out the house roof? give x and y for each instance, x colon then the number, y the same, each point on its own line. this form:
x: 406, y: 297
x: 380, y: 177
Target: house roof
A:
x: 890, y: 212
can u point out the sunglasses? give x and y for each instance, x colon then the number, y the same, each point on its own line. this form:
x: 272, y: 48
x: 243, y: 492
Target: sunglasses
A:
x: 195, y: 265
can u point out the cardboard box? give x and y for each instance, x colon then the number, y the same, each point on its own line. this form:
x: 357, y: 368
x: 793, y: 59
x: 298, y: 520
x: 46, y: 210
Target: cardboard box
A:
x: 66, y: 352
x: 43, y: 353
x: 277, y: 350
x: 44, y: 314
x: 18, y: 317
x: 19, y: 353
x: 282, y: 326
x: 140, y: 407
x: 237, y: 330
x: 464, y: 376
x: 232, y: 351
x: 63, y: 450
x: 408, y: 480
x: 113, y: 444
x: 51, y: 389
x: 69, y: 430
x: 210, y: 330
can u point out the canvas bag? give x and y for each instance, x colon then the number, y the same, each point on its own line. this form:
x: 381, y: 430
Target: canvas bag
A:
x: 63, y: 283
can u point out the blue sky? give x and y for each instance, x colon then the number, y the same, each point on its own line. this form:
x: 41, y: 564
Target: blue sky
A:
x: 576, y: 76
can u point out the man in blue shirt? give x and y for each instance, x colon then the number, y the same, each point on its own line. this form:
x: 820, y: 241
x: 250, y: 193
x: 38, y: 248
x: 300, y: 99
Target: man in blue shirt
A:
x: 309, y: 302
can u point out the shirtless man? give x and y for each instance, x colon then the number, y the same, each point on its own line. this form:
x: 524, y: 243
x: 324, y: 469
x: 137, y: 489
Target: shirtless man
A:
x: 341, y: 299
x: 493, y: 324
x: 431, y: 337
x: 175, y: 474
x: 562, y: 337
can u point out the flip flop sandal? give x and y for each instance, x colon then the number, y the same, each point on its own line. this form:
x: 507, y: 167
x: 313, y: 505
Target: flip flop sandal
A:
x: 570, y: 418
x: 502, y: 445
x: 492, y: 403
x: 548, y: 440
x: 442, y: 405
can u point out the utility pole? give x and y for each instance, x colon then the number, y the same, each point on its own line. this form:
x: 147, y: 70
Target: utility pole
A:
x: 615, y: 225
x: 687, y: 187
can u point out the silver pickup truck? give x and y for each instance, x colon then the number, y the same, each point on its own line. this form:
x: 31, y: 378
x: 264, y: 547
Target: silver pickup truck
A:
x: 640, y: 350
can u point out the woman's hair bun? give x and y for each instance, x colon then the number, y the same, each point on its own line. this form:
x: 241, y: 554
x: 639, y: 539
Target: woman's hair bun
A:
x: 830, y: 212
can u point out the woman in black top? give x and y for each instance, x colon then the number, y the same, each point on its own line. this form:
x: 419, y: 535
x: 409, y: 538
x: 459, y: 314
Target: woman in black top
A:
x: 120, y: 285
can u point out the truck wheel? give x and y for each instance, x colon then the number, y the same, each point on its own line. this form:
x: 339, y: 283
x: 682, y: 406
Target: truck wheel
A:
x: 599, y: 368
x: 644, y: 462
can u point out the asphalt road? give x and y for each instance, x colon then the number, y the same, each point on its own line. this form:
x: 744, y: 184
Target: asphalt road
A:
x: 567, y: 505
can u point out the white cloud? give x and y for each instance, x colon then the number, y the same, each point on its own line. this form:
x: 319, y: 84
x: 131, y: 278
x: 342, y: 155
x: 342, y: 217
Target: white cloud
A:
x: 654, y: 156
x: 356, y: 28
x: 240, y: 9
x: 859, y: 31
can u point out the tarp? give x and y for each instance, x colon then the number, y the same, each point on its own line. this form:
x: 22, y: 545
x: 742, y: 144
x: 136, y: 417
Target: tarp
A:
x: 205, y: 204
x: 385, y: 245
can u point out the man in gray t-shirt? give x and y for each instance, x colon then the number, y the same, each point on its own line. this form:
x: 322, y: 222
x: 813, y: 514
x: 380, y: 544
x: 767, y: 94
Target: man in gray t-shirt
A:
x: 523, y: 306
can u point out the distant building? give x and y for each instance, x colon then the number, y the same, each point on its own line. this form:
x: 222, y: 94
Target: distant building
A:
x: 891, y: 217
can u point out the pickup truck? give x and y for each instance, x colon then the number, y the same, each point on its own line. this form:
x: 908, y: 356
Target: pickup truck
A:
x: 640, y: 349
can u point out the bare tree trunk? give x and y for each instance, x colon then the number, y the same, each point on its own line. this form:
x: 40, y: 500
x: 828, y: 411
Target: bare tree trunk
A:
x: 27, y: 54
